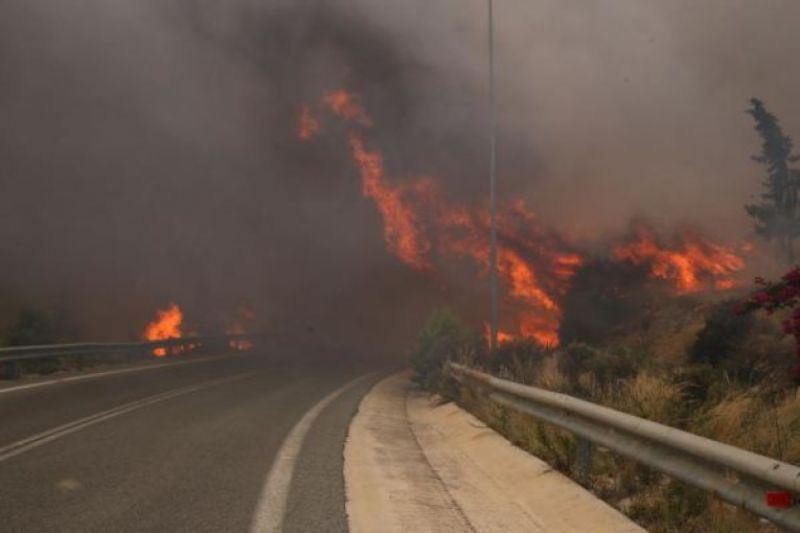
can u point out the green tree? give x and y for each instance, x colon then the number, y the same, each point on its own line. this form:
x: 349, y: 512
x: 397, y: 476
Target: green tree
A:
x: 776, y: 217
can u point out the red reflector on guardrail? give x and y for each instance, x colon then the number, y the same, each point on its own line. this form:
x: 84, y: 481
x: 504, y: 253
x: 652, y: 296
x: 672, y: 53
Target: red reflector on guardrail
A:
x: 779, y: 499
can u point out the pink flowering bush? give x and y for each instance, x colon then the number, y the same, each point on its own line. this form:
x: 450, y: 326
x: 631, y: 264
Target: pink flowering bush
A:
x: 772, y: 296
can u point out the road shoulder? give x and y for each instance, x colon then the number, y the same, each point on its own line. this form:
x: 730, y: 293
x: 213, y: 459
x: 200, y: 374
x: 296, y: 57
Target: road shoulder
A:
x: 412, y: 464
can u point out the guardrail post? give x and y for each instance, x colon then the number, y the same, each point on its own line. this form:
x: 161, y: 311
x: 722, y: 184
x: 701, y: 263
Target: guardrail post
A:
x: 583, y: 460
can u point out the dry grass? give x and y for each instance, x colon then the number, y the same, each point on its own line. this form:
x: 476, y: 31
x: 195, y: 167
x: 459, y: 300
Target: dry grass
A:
x: 550, y: 377
x: 667, y: 330
x: 736, y: 392
x: 660, y: 504
x: 754, y: 422
x: 787, y: 416
x: 648, y: 396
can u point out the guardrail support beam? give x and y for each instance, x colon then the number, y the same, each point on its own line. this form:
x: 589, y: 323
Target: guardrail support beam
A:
x: 583, y: 460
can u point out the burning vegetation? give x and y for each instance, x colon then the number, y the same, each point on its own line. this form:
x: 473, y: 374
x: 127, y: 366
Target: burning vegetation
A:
x: 166, y: 325
x: 536, y: 265
x: 169, y: 324
x: 404, y: 235
x: 691, y: 264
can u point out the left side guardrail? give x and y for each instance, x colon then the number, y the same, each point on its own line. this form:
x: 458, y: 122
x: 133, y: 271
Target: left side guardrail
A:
x: 11, y: 356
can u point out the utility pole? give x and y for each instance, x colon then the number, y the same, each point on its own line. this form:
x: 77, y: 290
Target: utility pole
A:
x: 492, y: 200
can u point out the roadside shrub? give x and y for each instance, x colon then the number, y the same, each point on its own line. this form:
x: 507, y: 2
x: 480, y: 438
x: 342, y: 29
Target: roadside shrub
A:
x: 723, y: 332
x: 650, y: 396
x: 444, y: 336
x: 572, y: 361
x: 30, y: 327
x: 587, y: 368
x: 775, y: 296
x: 612, y: 365
x: 519, y: 359
x: 33, y: 327
x: 735, y: 350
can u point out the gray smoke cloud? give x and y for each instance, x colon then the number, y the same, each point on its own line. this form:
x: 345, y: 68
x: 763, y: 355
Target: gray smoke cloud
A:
x: 629, y: 107
x: 148, y: 154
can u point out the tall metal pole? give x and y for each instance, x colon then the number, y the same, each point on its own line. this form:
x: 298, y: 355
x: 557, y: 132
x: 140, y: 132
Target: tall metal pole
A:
x: 492, y: 206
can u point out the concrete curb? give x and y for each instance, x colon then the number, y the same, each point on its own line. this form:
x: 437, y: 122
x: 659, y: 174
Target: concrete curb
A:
x: 414, y: 465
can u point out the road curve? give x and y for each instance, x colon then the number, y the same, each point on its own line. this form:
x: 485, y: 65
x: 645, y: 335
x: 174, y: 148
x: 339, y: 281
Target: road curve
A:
x: 192, y: 447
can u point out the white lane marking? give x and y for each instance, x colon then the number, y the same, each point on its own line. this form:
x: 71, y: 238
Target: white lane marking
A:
x: 22, y: 446
x: 112, y: 372
x: 271, y: 508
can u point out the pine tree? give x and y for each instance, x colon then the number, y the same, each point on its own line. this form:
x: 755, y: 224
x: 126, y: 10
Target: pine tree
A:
x: 776, y: 217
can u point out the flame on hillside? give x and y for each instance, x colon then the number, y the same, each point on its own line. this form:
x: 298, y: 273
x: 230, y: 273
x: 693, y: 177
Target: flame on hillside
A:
x: 535, y: 265
x: 401, y: 227
x: 421, y: 228
x: 692, y: 264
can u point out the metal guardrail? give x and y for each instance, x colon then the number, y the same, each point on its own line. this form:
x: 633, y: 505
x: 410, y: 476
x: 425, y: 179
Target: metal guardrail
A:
x: 737, y: 476
x: 15, y: 354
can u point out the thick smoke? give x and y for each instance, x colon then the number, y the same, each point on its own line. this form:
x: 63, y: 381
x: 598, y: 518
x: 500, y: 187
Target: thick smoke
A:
x: 148, y: 153
x: 628, y: 106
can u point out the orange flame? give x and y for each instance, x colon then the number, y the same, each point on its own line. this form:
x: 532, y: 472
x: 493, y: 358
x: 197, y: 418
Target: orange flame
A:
x: 167, y: 325
x: 531, y: 263
x: 503, y: 337
x: 402, y: 231
x: 693, y: 265
x: 524, y: 250
x: 307, y: 125
x: 535, y: 265
x: 346, y: 105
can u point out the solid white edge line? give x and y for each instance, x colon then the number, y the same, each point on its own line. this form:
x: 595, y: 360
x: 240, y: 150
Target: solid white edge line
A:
x: 29, y: 443
x: 271, y: 508
x: 113, y: 372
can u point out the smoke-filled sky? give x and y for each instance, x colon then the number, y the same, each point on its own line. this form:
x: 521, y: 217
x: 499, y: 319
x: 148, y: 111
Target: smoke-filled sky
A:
x: 148, y: 149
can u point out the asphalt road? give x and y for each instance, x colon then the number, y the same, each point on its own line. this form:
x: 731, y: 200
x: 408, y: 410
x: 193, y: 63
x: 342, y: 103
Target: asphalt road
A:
x: 188, y: 448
